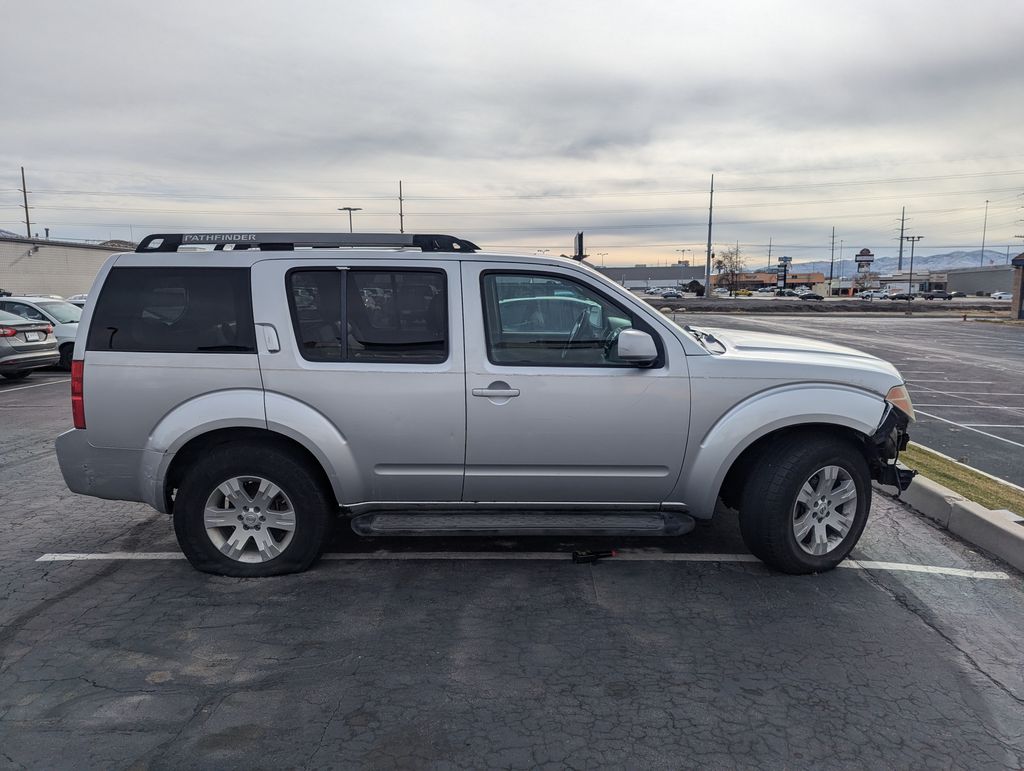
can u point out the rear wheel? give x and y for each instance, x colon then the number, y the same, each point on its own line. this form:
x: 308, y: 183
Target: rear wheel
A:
x: 67, y: 351
x: 806, y: 502
x: 18, y: 375
x: 252, y: 511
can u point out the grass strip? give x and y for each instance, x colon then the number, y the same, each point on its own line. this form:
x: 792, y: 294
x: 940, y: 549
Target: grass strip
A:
x: 970, y: 484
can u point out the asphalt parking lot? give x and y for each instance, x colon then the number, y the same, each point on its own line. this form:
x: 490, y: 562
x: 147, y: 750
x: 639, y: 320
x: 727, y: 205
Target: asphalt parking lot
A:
x: 406, y: 653
x: 966, y: 378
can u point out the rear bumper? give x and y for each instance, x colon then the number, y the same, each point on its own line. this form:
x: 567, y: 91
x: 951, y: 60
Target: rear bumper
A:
x: 22, y: 361
x: 103, y: 472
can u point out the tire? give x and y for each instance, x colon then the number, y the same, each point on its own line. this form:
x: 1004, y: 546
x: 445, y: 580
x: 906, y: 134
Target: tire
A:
x: 67, y: 351
x: 797, y: 537
x: 18, y: 375
x: 251, y: 547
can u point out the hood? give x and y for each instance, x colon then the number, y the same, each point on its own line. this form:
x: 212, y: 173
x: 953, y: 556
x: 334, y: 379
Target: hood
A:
x: 800, y: 358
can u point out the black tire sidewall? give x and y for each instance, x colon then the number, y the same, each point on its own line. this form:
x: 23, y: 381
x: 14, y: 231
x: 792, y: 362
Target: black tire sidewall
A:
x: 17, y: 375
x: 313, y: 514
x: 771, y: 536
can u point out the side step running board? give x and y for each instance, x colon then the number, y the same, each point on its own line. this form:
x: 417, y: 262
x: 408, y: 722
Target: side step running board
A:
x: 525, y: 523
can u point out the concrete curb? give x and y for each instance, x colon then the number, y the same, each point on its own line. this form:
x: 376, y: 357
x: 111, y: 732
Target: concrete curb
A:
x: 998, y: 532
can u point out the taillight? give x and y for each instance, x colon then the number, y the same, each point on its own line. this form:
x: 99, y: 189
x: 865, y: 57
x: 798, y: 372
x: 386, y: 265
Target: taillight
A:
x: 77, y: 393
x: 49, y: 329
x: 8, y: 332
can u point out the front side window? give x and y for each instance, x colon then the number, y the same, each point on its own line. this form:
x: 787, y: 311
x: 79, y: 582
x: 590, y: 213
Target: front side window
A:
x: 174, y: 310
x: 549, y: 320
x: 370, y: 315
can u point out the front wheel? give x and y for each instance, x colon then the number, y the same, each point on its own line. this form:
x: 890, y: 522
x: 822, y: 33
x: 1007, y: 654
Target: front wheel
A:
x: 252, y: 511
x: 806, y: 502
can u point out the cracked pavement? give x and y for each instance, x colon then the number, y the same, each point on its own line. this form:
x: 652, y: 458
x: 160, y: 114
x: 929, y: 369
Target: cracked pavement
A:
x: 478, y: 664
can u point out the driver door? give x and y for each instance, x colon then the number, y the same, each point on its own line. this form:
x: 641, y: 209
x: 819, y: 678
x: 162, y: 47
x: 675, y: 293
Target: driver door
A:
x: 552, y: 414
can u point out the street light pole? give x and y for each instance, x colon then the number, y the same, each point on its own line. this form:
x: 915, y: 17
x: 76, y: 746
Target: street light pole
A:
x: 910, y: 279
x: 984, y: 229
x: 350, y: 209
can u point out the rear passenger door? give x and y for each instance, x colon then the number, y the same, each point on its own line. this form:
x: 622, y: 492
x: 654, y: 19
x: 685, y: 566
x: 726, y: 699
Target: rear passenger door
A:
x: 376, y: 350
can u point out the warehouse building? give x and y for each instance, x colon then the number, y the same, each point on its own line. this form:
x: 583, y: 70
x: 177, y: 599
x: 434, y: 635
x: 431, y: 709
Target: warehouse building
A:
x: 981, y: 280
x: 40, y: 266
x: 646, y: 276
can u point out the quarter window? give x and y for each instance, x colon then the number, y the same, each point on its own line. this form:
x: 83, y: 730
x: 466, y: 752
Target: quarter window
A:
x: 368, y: 315
x: 551, y: 321
x: 174, y: 310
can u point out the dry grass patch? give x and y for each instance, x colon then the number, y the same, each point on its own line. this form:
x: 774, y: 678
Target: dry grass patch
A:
x: 970, y: 484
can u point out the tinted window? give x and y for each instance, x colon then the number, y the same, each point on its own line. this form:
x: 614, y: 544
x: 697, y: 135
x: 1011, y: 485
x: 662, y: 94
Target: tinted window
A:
x: 548, y: 320
x: 386, y: 315
x: 25, y: 311
x: 174, y: 310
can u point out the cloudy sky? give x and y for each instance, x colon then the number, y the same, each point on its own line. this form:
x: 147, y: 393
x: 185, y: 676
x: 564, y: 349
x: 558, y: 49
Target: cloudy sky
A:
x: 515, y: 124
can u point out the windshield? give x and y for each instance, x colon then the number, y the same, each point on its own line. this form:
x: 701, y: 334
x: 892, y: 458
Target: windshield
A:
x: 65, y: 313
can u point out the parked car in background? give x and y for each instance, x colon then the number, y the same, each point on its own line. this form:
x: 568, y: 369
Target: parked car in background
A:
x: 77, y: 299
x: 744, y: 293
x: 873, y: 294
x: 61, y: 314
x: 937, y: 294
x: 671, y: 294
x: 954, y: 295
x: 787, y: 293
x: 903, y: 296
x: 1002, y: 295
x: 811, y: 296
x: 25, y: 345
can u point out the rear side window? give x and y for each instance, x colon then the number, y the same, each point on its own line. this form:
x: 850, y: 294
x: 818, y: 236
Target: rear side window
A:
x: 372, y: 315
x: 174, y: 310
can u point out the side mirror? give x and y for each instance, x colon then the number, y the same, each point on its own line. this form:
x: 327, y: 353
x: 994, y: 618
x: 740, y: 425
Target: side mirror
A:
x: 636, y: 347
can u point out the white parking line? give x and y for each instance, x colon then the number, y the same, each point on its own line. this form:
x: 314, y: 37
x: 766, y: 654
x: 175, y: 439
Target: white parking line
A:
x: 34, y: 385
x: 483, y: 556
x: 975, y: 430
x: 971, y: 406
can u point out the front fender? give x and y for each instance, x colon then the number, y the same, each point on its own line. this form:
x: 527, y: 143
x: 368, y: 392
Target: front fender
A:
x: 709, y: 460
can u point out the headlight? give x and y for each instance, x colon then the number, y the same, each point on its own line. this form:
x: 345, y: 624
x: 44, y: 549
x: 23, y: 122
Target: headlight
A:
x: 899, y: 398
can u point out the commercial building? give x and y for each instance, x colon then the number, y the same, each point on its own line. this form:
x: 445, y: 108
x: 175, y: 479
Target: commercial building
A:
x: 645, y: 276
x: 981, y: 280
x: 39, y: 266
x: 770, y: 278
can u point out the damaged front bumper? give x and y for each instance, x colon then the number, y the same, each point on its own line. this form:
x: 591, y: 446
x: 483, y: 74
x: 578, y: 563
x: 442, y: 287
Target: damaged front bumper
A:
x: 884, y: 448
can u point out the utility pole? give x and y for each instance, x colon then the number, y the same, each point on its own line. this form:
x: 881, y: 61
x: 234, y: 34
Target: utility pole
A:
x: 910, y: 279
x: 903, y: 222
x: 832, y: 261
x: 769, y: 252
x: 984, y: 228
x: 401, y: 210
x: 707, y: 266
x: 24, y: 196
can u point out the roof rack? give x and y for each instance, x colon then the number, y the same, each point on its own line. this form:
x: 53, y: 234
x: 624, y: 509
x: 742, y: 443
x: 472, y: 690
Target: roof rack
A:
x: 169, y: 242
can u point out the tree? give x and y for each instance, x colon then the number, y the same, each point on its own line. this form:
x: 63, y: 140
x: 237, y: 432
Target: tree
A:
x: 729, y: 264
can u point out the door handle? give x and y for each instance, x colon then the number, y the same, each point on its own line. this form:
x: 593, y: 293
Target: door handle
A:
x: 270, y: 338
x: 498, y: 390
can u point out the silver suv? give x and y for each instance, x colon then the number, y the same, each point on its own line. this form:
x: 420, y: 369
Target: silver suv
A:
x: 415, y: 385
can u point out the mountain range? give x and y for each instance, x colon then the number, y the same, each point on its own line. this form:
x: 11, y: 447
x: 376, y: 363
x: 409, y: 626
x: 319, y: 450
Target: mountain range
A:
x: 888, y: 265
